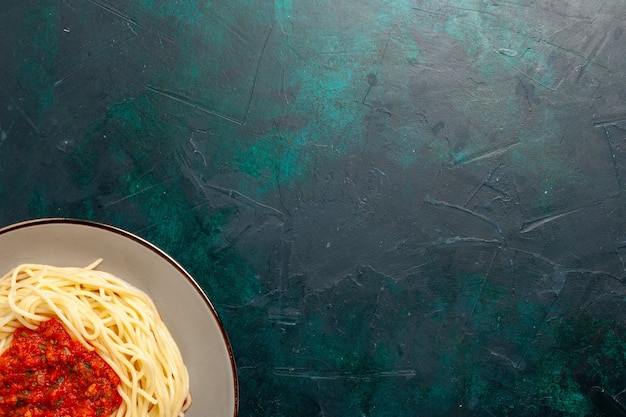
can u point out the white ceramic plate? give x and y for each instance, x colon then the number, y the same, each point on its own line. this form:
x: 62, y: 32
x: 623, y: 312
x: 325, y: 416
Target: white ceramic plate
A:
x: 187, y: 312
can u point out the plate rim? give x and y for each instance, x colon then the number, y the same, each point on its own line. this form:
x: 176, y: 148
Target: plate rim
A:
x: 158, y: 251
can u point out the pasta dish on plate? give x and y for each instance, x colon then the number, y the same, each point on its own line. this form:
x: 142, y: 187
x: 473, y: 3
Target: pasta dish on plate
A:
x: 83, y: 340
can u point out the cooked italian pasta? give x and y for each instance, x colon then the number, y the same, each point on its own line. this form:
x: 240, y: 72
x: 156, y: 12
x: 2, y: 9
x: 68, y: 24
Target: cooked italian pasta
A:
x: 108, y: 315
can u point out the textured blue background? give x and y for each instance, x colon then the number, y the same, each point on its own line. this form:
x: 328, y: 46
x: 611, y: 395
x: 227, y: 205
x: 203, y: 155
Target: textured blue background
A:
x: 398, y: 208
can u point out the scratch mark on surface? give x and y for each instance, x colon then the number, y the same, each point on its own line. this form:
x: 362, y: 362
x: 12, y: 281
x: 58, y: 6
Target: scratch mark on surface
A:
x: 28, y: 119
x: 489, y: 175
x: 547, y: 317
x: 613, y: 157
x: 537, y: 81
x: 238, y: 34
x: 81, y: 65
x: 21, y: 111
x: 485, y: 155
x: 131, y: 29
x: 256, y: 73
x: 238, y: 195
x: 527, y: 93
x: 169, y: 218
x: 529, y: 35
x: 531, y: 225
x: 574, y: 52
x: 608, y: 121
x: 480, y: 289
x: 129, y: 20
x: 189, y: 102
x: 372, y: 82
x: 283, y: 89
x: 458, y: 8
x: 478, y: 98
x: 285, y: 317
x: 617, y: 245
x: 435, y: 12
x: 482, y: 217
x: 565, y: 270
x: 515, y: 361
x: 230, y: 192
x: 461, y: 239
x: 196, y: 150
x: 429, y: 68
x: 334, y: 376
x: 467, y: 9
x: 592, y: 55
x: 136, y: 193
x: 107, y: 7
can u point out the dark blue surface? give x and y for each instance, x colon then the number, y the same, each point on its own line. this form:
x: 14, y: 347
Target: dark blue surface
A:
x: 397, y: 207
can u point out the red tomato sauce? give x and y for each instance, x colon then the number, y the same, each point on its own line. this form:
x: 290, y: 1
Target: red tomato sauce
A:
x: 45, y: 373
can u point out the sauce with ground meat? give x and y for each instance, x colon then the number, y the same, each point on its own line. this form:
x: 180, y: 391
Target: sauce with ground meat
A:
x: 45, y: 373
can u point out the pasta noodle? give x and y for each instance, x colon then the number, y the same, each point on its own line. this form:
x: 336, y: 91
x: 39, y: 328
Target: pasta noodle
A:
x: 104, y: 313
